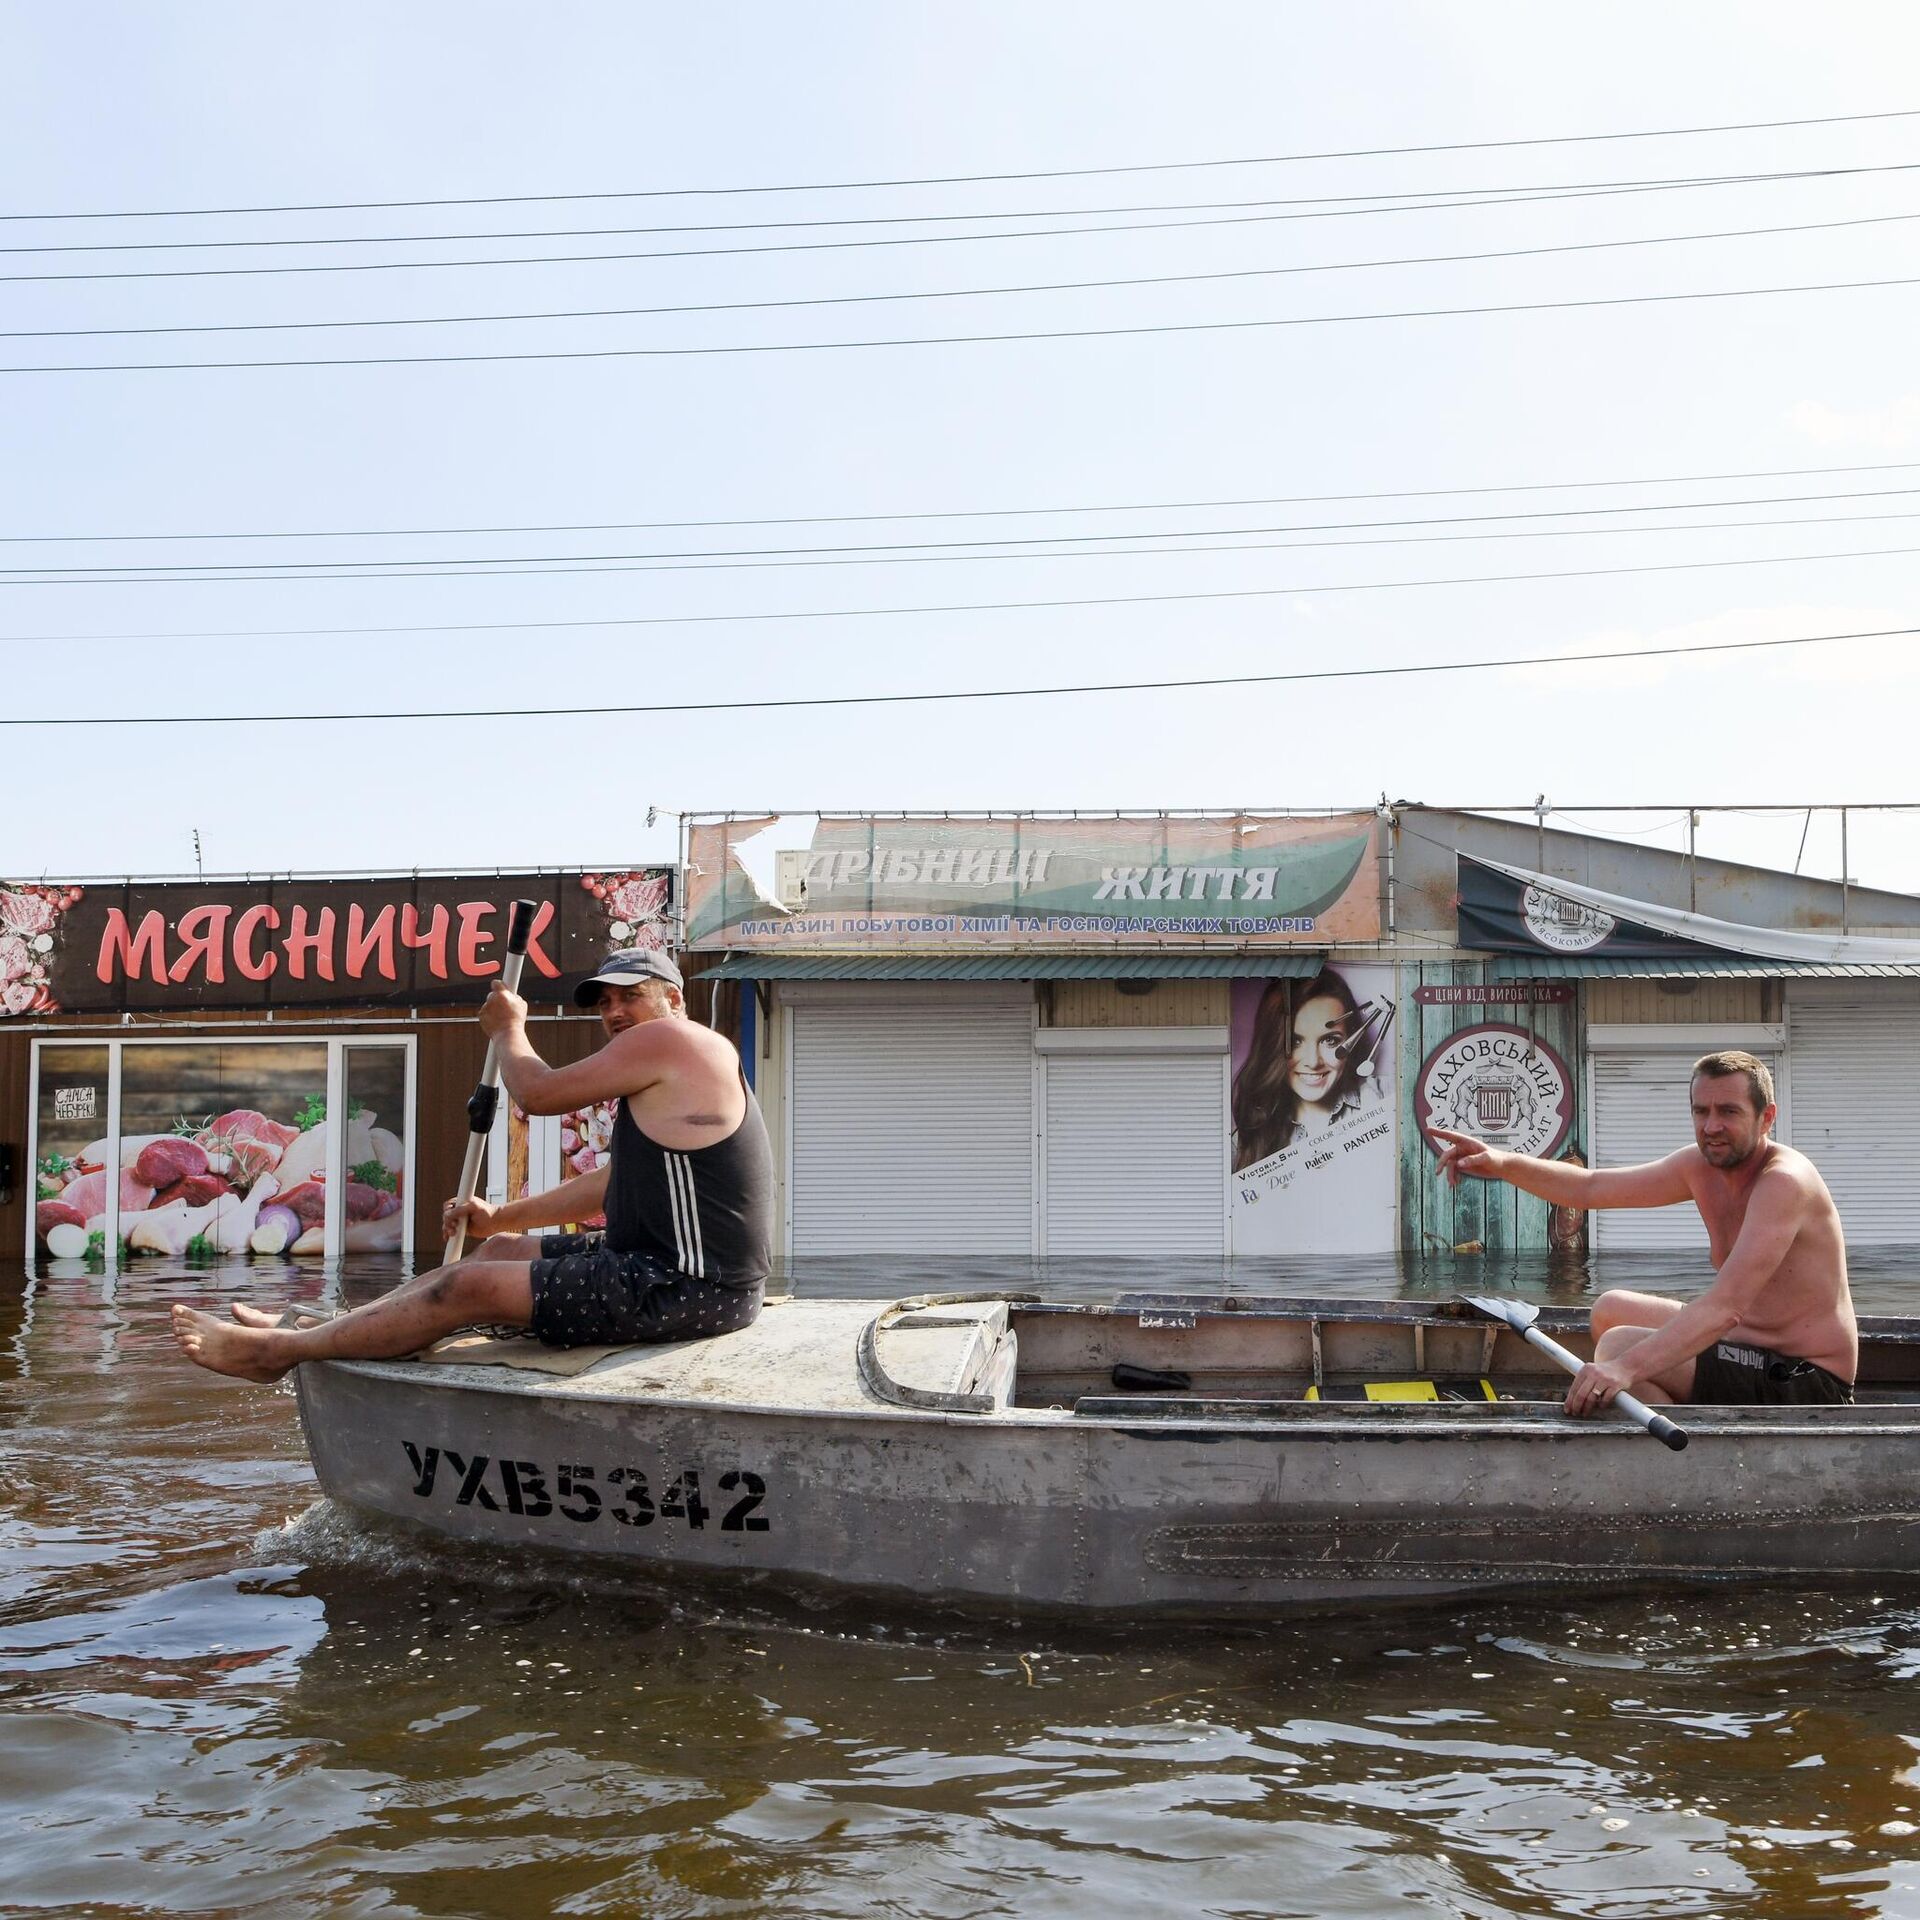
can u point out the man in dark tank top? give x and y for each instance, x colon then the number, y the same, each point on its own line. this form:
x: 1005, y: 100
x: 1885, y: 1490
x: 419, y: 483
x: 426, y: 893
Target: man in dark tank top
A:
x: 687, y: 1195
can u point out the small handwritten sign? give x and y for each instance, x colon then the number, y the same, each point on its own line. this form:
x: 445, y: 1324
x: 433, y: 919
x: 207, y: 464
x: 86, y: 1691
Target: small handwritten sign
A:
x: 1504, y: 993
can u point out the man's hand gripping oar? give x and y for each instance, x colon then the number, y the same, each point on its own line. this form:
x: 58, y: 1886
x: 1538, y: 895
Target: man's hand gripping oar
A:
x: 485, y: 1099
x: 1521, y: 1317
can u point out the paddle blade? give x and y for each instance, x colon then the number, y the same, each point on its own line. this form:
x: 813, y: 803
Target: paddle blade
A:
x: 1515, y: 1313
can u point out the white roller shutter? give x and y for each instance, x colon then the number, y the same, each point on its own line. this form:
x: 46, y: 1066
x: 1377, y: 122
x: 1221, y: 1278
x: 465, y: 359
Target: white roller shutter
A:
x: 912, y: 1122
x: 1135, y: 1152
x: 1856, y: 1103
x: 1642, y: 1110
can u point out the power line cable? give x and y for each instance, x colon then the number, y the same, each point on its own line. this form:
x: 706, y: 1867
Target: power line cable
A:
x: 504, y: 570
x: 963, y: 339
x: 956, y: 293
x: 784, y: 615
x: 1415, y: 195
x: 980, y: 513
x: 979, y: 179
x: 206, y: 572
x: 972, y: 693
x: 1515, y: 198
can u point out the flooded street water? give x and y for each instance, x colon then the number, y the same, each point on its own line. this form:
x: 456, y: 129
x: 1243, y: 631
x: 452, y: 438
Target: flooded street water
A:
x: 223, y: 1695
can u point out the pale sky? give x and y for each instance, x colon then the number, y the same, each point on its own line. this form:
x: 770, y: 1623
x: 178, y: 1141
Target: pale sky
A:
x: 115, y: 108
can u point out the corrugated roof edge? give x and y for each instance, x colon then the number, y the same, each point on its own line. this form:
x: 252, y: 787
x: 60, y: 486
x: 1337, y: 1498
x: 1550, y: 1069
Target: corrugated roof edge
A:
x: 1614, y: 967
x: 1018, y: 966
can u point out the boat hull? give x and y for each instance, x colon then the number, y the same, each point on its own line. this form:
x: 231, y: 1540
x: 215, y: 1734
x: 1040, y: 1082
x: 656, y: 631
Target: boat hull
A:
x: 1173, y: 1511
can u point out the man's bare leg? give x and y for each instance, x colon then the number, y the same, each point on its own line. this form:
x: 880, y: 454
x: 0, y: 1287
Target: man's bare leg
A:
x: 1664, y: 1389
x: 502, y: 1246
x: 1619, y: 1308
x: 401, y: 1322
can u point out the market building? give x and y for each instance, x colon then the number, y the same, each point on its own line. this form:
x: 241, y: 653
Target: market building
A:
x: 183, y: 1061
x: 1192, y: 1035
x: 1219, y: 1034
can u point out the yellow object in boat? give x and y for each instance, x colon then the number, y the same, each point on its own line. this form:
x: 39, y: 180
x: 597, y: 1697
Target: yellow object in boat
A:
x: 1408, y: 1390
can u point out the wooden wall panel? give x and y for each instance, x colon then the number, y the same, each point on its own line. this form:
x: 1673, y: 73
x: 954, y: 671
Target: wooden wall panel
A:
x: 16, y: 1053
x: 1172, y: 1003
x: 1433, y: 1216
x: 1653, y: 1003
x: 451, y: 1054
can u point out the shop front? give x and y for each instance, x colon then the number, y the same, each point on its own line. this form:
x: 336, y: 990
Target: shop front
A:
x: 1022, y: 1036
x: 249, y: 1069
x: 1233, y: 1035
x: 1834, y: 1015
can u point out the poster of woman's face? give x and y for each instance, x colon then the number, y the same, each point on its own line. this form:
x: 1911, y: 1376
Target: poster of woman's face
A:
x: 1313, y: 1149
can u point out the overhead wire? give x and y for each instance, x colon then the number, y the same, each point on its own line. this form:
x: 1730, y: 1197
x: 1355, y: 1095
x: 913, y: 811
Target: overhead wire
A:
x: 907, y: 552
x: 1407, y: 670
x: 1415, y: 196
x: 957, y: 293
x: 980, y: 513
x: 965, y: 339
x: 1343, y: 209
x: 978, y: 179
x: 785, y: 615
x: 507, y: 571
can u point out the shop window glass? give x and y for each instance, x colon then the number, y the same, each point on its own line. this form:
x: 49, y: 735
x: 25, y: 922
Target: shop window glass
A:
x: 212, y: 1136
x: 586, y: 1145
x: 71, y: 1152
x: 375, y: 1091
x: 580, y: 1142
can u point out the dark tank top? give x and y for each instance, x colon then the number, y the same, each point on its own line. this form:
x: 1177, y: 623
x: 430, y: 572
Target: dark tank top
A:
x: 705, y: 1211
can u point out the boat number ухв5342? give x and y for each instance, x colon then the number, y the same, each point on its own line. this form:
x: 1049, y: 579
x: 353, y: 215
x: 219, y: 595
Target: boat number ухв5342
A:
x: 582, y: 1493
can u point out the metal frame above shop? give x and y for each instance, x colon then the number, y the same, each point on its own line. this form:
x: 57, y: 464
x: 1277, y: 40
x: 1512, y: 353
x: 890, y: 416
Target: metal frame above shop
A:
x: 1574, y: 966
x: 1017, y: 966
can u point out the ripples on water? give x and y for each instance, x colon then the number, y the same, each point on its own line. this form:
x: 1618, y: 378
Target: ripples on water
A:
x: 224, y: 1695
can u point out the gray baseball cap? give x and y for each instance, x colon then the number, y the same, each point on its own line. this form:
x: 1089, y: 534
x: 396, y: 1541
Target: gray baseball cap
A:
x: 627, y: 969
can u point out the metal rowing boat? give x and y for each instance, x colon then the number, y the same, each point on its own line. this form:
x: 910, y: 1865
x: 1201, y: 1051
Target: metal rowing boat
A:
x: 1165, y: 1453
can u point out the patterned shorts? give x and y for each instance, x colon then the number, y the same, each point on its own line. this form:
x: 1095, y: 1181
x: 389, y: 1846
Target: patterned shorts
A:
x: 585, y: 1295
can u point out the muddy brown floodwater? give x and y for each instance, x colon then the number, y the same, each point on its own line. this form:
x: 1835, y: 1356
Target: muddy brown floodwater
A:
x: 224, y: 1696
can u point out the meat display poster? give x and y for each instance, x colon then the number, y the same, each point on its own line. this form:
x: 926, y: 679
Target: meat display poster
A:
x: 224, y: 1150
x: 144, y: 947
x: 1313, y: 1162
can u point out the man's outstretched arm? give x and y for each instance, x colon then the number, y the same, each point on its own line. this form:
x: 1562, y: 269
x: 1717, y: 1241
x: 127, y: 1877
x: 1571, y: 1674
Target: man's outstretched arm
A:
x: 1660, y: 1183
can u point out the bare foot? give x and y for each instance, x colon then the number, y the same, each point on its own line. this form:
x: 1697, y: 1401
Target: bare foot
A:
x: 252, y: 1316
x: 246, y: 1353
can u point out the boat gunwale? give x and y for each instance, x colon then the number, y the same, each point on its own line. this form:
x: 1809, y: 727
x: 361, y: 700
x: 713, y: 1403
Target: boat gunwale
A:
x: 1397, y: 1422
x: 1170, y: 1417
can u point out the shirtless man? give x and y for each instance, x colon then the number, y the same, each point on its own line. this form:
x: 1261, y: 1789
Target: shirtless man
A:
x: 688, y: 1195
x: 1776, y: 1327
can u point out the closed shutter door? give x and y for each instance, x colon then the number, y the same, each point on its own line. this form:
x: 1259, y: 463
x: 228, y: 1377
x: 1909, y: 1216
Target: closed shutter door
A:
x: 1856, y: 1105
x: 1136, y: 1154
x: 1643, y: 1110
x: 912, y: 1128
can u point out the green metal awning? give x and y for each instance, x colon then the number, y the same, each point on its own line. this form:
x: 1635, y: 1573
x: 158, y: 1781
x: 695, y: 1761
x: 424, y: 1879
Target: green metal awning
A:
x: 1732, y: 966
x: 1017, y: 966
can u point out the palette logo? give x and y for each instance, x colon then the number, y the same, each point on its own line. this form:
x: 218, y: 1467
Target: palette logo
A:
x: 1500, y: 1084
x: 1567, y: 926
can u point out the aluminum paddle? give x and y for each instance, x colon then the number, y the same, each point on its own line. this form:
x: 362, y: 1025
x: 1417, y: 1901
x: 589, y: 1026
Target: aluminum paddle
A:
x: 484, y: 1101
x: 1521, y: 1317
